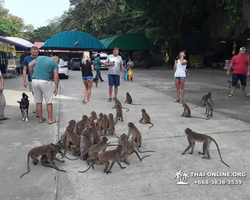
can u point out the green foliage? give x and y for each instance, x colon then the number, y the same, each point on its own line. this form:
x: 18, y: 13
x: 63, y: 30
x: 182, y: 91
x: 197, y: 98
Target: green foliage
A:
x: 7, y: 28
x: 43, y: 33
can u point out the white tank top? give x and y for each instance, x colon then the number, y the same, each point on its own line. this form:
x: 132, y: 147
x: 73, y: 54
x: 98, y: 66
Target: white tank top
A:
x: 180, y: 69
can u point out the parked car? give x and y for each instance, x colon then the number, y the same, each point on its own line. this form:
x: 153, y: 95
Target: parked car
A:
x: 103, y: 57
x: 74, y: 63
x: 63, y: 69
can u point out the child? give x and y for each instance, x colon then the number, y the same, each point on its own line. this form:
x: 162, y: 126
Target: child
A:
x: 126, y: 73
x: 130, y: 74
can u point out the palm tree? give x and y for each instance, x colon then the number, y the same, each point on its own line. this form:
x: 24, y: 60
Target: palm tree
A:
x: 185, y: 177
x: 179, y: 175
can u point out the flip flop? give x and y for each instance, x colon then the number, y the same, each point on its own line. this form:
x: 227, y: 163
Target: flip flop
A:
x: 109, y: 100
x: 55, y: 121
x: 6, y: 118
x: 177, y: 100
x: 34, y: 111
x: 83, y: 101
x: 43, y: 120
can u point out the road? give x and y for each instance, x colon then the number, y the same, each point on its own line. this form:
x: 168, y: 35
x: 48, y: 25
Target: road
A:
x: 154, y: 177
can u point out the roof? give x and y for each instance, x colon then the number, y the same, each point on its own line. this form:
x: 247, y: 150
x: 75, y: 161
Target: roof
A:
x: 38, y: 44
x: 130, y: 41
x: 72, y: 40
x: 20, y: 41
x: 3, y: 39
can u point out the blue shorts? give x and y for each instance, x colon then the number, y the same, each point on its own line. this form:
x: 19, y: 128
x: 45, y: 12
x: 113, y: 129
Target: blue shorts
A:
x: 180, y: 78
x: 87, y: 78
x: 114, y: 80
x: 241, y: 77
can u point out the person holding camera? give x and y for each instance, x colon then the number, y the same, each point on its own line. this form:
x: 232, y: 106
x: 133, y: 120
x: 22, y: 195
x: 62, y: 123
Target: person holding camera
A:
x: 180, y: 76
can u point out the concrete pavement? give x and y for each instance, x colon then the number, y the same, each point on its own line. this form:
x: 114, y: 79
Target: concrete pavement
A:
x: 154, y: 177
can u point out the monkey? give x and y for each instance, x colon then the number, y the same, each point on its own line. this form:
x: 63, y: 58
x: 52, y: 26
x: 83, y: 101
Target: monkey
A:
x: 128, y: 149
x: 99, y: 119
x: 45, y: 161
x: 117, y: 102
x: 96, y: 81
x: 72, y: 137
x: 136, y: 135
x: 209, y: 109
x: 145, y: 118
x: 129, y: 99
x: 111, y: 125
x: 93, y: 151
x: 93, y: 116
x: 105, y: 157
x: 193, y: 137
x: 39, y: 151
x: 103, y: 125
x: 94, y: 132
x: 205, y: 99
x: 119, y: 115
x: 85, y: 144
x: 230, y: 84
x: 187, y: 112
x: 63, y: 138
x: 82, y: 124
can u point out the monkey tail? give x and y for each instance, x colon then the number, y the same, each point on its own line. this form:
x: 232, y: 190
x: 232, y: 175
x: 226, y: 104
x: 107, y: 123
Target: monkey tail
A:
x: 92, y: 165
x: 126, y: 108
x: 151, y: 126
x: 28, y: 159
x: 219, y: 152
x: 72, y: 158
x: 136, y: 103
x: 143, y: 151
x: 145, y: 157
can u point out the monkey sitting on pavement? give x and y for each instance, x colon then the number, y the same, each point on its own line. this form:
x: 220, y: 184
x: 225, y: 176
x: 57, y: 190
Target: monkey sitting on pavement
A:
x: 129, y: 99
x: 145, y: 118
x: 193, y: 137
x: 187, y: 112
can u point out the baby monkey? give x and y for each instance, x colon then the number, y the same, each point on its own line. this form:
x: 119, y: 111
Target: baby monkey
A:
x: 187, y: 112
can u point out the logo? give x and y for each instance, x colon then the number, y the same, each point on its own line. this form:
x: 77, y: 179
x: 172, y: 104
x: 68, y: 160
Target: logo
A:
x: 181, y: 177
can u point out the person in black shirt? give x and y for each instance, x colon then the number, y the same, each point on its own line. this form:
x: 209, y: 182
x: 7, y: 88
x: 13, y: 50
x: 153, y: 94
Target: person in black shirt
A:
x: 86, y: 67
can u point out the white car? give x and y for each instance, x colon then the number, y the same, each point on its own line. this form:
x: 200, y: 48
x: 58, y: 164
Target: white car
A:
x: 63, y: 69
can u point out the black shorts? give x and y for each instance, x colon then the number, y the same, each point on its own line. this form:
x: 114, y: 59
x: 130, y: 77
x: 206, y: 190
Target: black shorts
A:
x: 241, y: 77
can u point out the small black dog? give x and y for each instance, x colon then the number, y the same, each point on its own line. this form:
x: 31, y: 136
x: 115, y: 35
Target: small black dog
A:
x: 24, y: 106
x: 96, y: 81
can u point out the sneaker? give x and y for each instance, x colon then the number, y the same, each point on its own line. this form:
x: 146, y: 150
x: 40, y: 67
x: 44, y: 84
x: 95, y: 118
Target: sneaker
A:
x: 246, y: 95
x: 230, y: 95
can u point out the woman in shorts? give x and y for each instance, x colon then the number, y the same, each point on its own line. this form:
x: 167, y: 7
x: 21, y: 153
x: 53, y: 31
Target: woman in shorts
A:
x: 86, y: 67
x: 180, y: 76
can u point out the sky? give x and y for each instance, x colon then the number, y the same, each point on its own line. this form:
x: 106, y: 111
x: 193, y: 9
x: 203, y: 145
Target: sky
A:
x: 36, y: 12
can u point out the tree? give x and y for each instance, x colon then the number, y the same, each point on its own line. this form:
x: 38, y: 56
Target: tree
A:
x: 42, y: 34
x: 7, y: 28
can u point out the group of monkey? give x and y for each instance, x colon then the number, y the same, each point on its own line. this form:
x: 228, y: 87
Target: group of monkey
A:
x: 84, y: 139
x: 193, y: 137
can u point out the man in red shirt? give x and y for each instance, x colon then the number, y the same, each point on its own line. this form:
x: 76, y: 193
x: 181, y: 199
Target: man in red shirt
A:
x: 240, y: 65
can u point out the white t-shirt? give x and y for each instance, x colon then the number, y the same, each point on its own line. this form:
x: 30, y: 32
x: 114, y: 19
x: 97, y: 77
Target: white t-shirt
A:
x: 115, y: 70
x: 0, y: 73
x: 180, y: 69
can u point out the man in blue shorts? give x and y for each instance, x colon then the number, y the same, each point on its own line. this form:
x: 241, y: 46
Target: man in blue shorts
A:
x: 34, y: 54
x: 114, y: 63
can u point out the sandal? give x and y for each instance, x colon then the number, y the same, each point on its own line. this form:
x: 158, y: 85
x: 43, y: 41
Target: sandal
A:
x: 55, y: 121
x: 83, y: 101
x: 43, y: 120
x: 177, y: 100
x: 246, y: 95
x: 110, y: 99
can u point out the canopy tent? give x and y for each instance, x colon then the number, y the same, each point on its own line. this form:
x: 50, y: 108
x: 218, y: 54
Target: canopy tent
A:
x: 3, y: 39
x: 130, y: 41
x: 20, y: 41
x: 72, y: 40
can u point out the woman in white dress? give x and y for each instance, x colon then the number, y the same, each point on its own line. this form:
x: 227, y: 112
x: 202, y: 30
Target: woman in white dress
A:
x: 180, y: 76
